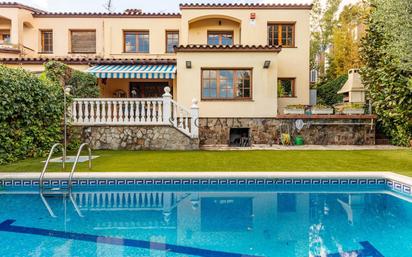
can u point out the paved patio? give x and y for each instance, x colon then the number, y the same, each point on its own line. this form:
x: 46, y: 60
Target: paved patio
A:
x: 302, y: 147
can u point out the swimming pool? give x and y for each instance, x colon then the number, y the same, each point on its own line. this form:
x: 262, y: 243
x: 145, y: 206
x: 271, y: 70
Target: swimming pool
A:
x: 228, y: 217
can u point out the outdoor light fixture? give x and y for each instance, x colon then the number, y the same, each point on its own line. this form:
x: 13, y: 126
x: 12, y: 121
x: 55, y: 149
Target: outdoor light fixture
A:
x: 266, y: 65
x: 188, y: 64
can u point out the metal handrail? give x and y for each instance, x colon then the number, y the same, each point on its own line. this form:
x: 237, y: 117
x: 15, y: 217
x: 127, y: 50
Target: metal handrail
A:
x: 76, y: 161
x: 48, y: 160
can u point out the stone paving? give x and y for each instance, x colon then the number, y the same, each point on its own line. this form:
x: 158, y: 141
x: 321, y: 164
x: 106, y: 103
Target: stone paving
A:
x: 302, y: 147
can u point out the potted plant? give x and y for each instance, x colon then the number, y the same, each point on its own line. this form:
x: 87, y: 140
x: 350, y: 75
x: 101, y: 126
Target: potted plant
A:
x: 353, y: 108
x: 322, y: 109
x: 294, y: 109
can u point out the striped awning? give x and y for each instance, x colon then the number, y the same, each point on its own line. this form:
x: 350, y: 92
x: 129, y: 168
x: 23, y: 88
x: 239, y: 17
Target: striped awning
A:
x: 140, y: 71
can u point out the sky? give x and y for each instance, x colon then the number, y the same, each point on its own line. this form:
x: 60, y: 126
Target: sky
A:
x: 145, y: 5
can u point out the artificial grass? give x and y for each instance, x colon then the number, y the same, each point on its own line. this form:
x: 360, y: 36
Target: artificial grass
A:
x: 399, y: 161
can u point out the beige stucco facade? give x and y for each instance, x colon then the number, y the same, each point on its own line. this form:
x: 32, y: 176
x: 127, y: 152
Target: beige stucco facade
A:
x: 248, y: 23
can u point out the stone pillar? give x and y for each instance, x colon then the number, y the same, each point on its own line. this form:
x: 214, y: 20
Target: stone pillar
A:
x: 167, y: 106
x: 194, y: 121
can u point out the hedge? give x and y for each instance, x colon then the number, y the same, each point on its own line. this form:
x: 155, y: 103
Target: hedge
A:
x: 31, y: 111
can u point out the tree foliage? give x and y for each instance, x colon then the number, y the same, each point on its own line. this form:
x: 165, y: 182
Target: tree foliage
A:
x: 387, y: 54
x: 322, y: 23
x: 346, y: 36
x: 84, y: 85
x: 30, y: 114
x: 328, y: 92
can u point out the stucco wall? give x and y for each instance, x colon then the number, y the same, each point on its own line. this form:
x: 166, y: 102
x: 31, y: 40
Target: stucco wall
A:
x: 264, y: 93
x: 193, y: 26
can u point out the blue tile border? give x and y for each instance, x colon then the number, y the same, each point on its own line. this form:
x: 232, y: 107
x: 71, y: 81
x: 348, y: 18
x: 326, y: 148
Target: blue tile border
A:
x: 202, y: 181
x: 391, y: 184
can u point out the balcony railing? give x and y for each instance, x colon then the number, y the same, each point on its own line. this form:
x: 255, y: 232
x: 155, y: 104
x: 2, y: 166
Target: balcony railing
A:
x: 136, y: 111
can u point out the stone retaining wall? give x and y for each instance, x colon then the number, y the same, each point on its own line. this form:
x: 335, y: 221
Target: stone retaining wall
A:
x: 317, y: 130
x: 134, y: 138
x: 336, y: 129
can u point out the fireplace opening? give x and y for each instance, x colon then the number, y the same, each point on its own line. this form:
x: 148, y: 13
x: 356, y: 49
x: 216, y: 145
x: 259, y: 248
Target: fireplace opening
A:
x: 239, y: 137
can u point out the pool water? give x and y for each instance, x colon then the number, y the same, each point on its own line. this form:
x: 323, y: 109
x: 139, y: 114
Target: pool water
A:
x: 161, y: 222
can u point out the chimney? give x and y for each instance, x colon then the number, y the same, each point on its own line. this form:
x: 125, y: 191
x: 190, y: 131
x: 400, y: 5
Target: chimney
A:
x: 133, y: 11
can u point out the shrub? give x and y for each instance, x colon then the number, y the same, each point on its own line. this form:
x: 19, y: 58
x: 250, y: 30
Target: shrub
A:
x: 387, y: 74
x: 328, y: 92
x: 84, y: 85
x: 295, y: 106
x: 30, y: 114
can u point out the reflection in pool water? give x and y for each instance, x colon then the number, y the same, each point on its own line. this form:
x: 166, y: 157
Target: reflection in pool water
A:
x: 206, y: 223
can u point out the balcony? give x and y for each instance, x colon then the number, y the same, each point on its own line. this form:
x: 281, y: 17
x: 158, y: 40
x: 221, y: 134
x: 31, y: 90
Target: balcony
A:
x: 136, y: 111
x: 7, y: 47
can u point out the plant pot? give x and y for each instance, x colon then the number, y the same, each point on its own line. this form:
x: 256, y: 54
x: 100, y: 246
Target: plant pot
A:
x: 294, y: 111
x: 353, y: 111
x: 324, y: 111
x: 299, y: 140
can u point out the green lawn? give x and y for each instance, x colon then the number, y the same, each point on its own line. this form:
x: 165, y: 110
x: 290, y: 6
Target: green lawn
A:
x: 399, y: 161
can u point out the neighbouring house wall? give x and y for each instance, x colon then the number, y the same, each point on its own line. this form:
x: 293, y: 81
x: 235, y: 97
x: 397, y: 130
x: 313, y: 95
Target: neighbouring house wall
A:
x: 40, y: 67
x: 133, y: 138
x: 264, y: 93
x: 215, y: 131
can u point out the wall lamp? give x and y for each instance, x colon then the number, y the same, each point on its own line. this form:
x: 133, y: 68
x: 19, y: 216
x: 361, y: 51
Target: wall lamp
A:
x: 188, y: 64
x: 266, y: 65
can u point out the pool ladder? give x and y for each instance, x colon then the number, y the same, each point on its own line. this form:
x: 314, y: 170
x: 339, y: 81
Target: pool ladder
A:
x: 60, y: 190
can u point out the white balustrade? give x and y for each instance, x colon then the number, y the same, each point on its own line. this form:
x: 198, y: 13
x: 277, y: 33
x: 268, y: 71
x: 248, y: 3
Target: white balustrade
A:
x: 112, y: 111
x: 136, y: 111
x: 124, y: 200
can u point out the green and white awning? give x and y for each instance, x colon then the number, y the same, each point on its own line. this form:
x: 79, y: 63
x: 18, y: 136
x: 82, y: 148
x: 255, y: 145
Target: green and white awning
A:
x: 165, y: 71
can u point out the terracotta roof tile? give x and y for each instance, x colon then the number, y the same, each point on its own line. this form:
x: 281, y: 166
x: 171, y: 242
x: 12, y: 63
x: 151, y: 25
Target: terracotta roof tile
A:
x: 18, y: 5
x: 227, y: 48
x: 105, y: 14
x: 84, y: 61
x: 243, y: 6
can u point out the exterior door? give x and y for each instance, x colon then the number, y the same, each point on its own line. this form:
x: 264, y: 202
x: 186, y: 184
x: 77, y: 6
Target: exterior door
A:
x: 147, y: 89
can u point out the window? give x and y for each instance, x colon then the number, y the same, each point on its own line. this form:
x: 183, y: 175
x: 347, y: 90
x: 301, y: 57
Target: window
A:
x: 46, y: 41
x: 83, y: 41
x: 172, y: 40
x: 313, y: 76
x: 226, y: 84
x: 281, y: 34
x: 220, y: 38
x: 136, y: 41
x: 4, y: 36
x: 286, y: 87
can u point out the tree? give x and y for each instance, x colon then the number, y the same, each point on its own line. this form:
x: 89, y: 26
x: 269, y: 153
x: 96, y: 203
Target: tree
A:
x: 322, y: 23
x: 328, y: 92
x: 386, y: 52
x: 346, y: 37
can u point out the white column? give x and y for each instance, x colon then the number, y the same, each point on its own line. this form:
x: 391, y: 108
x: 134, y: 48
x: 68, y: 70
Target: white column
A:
x: 167, y: 97
x: 194, y: 121
x: 15, y: 31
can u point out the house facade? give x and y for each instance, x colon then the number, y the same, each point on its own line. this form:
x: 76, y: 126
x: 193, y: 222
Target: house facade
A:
x: 243, y: 63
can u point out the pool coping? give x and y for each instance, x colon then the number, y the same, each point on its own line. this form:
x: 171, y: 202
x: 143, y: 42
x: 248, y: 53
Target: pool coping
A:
x: 392, y: 181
